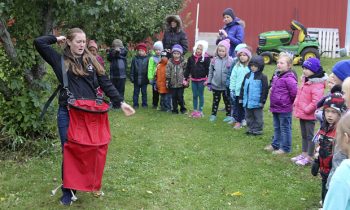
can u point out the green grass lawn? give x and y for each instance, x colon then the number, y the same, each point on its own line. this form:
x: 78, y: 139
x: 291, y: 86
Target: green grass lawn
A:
x: 158, y: 160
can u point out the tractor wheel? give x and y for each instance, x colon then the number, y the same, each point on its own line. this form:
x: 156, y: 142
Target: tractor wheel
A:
x: 268, y: 57
x: 309, y: 52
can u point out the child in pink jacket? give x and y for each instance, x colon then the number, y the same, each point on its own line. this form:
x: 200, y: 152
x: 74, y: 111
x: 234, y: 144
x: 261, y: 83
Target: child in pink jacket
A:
x: 309, y: 93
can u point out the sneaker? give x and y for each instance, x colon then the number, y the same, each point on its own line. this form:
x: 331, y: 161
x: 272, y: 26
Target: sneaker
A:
x: 257, y: 133
x: 303, y: 162
x: 194, y: 114
x: 244, y: 123
x: 237, y: 125
x: 269, y: 148
x: 278, y: 152
x: 232, y: 121
x: 200, y: 114
x: 296, y: 158
x: 66, y: 198
x: 228, y: 119
x: 212, y: 118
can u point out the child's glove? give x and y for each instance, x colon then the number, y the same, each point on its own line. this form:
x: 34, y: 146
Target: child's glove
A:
x: 209, y: 87
x: 315, y: 167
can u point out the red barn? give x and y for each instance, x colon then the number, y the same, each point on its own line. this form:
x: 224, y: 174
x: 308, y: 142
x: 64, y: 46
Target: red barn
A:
x: 268, y: 15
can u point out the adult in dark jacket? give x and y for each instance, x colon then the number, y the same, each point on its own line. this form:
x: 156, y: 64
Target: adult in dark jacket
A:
x: 174, y: 34
x: 83, y: 71
x: 233, y: 30
x: 117, y: 56
x: 253, y: 95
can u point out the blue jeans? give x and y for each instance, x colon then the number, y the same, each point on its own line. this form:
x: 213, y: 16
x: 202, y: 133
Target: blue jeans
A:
x: 198, y: 92
x: 137, y: 89
x: 62, y: 123
x: 282, y: 123
x: 165, y: 102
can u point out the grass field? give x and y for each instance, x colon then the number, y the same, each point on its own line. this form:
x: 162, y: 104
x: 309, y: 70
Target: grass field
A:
x: 158, y: 160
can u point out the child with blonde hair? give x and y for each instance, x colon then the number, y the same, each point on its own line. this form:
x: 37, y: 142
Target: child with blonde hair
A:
x: 305, y: 104
x: 237, y: 76
x: 283, y: 92
x: 346, y: 91
x: 218, y: 70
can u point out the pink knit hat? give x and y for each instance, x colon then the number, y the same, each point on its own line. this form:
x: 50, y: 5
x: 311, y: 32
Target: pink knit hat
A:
x: 226, y: 44
x: 92, y: 43
x: 245, y: 51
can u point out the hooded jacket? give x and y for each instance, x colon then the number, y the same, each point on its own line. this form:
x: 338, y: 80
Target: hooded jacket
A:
x: 219, y: 68
x: 139, y: 70
x: 198, y: 66
x: 284, y: 89
x: 118, y: 63
x: 176, y: 35
x: 235, y: 33
x: 309, y: 93
x: 175, y: 73
x: 254, y: 88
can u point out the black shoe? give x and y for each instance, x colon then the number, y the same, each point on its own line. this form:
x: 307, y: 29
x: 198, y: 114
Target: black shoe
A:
x: 175, y: 112
x: 184, y: 111
x: 66, y: 198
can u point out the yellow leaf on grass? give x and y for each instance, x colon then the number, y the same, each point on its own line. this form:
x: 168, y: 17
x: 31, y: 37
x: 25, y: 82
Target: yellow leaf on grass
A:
x: 236, y: 193
x: 2, y: 199
x: 149, y: 192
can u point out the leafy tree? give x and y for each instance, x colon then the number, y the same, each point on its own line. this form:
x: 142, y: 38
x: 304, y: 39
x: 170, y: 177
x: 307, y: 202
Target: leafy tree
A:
x: 23, y: 88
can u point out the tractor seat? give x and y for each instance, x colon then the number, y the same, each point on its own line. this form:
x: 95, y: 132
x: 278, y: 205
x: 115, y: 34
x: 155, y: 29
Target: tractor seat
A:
x: 295, y: 25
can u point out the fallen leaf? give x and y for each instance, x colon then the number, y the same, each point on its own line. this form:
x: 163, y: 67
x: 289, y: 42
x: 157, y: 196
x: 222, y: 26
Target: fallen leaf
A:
x: 236, y: 193
x: 2, y: 199
x: 303, y: 199
x: 149, y: 192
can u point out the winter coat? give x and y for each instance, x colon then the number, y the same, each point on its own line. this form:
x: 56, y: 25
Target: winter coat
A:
x: 283, y: 92
x: 161, y: 76
x: 218, y: 70
x: 309, y: 93
x: 237, y: 76
x: 326, y: 141
x: 152, y: 66
x: 197, y: 68
x: 175, y: 73
x: 235, y: 32
x: 254, y: 90
x: 174, y: 36
x: 79, y: 86
x: 139, y: 68
x: 118, y: 63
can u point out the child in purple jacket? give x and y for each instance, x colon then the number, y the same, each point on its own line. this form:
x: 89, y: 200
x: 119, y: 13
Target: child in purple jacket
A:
x: 283, y: 92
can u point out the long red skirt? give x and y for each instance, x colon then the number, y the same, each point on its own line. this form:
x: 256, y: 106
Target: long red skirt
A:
x: 83, y: 166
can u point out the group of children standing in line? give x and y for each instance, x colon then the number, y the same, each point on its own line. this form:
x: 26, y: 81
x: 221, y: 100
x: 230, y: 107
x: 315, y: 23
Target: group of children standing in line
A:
x: 244, y: 88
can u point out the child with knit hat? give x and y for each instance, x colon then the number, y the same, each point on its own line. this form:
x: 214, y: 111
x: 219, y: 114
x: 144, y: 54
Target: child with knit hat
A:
x: 305, y: 104
x: 218, y: 70
x: 237, y: 76
x: 117, y: 56
x: 160, y: 80
x: 139, y: 75
x: 346, y: 91
x: 92, y: 47
x: 175, y: 79
x: 197, y: 71
x: 152, y: 66
x: 334, y: 107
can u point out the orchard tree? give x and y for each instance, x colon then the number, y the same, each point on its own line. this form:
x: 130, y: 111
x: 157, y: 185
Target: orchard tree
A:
x: 23, y: 87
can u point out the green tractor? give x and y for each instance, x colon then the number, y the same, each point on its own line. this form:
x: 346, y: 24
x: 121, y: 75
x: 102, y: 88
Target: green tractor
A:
x: 271, y: 43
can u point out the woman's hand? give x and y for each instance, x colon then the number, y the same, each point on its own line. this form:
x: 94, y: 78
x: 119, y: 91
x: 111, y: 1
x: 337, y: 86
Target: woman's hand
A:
x: 127, y: 109
x: 223, y: 33
x: 61, y: 39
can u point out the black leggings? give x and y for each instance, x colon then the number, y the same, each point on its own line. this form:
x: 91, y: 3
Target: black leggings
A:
x: 216, y: 100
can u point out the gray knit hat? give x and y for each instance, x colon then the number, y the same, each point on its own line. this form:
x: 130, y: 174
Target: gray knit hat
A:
x: 117, y: 43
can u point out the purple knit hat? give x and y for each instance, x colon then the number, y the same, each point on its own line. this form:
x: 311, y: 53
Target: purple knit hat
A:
x: 313, y: 64
x: 177, y: 48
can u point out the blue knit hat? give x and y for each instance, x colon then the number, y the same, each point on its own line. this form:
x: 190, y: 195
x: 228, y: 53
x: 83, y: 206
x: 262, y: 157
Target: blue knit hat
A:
x: 177, y: 48
x: 342, y: 69
x: 313, y: 64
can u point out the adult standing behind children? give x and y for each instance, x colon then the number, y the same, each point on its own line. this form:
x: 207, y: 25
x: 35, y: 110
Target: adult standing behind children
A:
x: 152, y: 66
x: 138, y: 75
x: 117, y: 57
x: 233, y: 30
x: 197, y: 71
x: 174, y: 34
x: 253, y: 95
x: 175, y: 79
x: 83, y: 68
